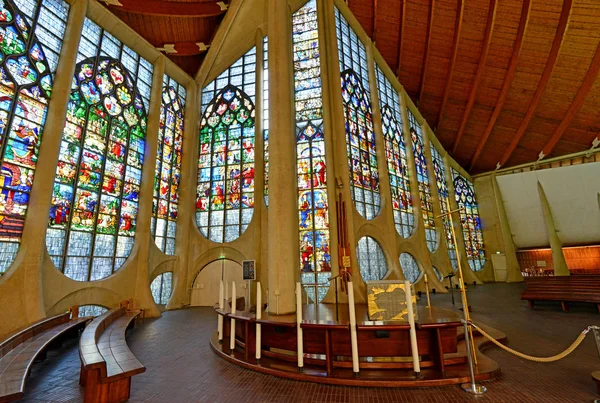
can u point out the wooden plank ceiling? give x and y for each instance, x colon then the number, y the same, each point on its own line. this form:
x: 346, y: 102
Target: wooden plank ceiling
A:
x: 502, y: 82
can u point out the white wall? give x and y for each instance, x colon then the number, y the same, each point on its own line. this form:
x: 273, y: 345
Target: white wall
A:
x: 572, y: 192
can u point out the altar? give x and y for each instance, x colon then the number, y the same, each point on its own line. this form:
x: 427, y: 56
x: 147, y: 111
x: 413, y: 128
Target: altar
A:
x: 384, y: 347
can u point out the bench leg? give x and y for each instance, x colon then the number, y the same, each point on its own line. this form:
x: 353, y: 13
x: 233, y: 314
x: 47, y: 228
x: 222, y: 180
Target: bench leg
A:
x: 111, y: 392
x: 530, y: 304
x: 565, y: 306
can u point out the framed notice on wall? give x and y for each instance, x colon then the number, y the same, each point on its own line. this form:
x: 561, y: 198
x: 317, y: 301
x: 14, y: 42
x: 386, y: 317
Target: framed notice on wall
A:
x: 248, y: 267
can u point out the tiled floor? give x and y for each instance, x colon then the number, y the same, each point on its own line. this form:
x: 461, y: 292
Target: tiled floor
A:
x: 182, y: 368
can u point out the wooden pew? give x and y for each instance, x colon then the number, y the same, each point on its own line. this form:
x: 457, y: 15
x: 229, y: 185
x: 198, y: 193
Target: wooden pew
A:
x: 564, y: 289
x: 107, y: 364
x: 19, y: 351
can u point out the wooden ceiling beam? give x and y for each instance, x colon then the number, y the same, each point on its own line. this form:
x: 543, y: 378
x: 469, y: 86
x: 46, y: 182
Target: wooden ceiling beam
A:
x: 584, y: 89
x: 400, y: 36
x: 563, y: 23
x: 489, y: 29
x: 427, y: 44
x: 508, y: 78
x: 374, y: 20
x: 169, y: 8
x: 455, y: 42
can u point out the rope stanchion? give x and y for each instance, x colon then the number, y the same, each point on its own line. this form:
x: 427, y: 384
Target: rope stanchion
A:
x: 553, y: 358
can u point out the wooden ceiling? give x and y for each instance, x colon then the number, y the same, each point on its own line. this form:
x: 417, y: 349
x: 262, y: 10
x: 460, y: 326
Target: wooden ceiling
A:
x: 501, y: 82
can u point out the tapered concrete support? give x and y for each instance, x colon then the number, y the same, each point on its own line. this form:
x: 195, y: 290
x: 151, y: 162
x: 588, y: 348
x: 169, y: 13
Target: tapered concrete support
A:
x: 513, y: 270
x: 282, y: 229
x: 558, y: 257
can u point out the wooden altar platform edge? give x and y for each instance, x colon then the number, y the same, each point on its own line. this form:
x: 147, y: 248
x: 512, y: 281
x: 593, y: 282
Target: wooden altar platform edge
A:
x: 443, y: 364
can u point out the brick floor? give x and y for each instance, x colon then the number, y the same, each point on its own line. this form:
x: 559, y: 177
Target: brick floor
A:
x: 182, y: 368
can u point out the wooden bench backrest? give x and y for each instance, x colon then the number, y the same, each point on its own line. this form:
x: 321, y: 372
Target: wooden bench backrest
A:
x: 30, y: 331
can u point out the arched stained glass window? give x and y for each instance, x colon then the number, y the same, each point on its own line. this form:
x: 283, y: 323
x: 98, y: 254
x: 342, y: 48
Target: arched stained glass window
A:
x: 371, y: 260
x: 91, y: 310
x: 313, y: 202
x: 266, y: 116
x: 225, y: 193
x: 410, y: 267
x: 469, y: 221
x: 360, y: 138
x: 439, y: 275
x: 440, y: 178
x: 168, y: 166
x: 395, y: 152
x: 94, y: 207
x: 31, y: 34
x: 161, y: 288
x: 422, y: 177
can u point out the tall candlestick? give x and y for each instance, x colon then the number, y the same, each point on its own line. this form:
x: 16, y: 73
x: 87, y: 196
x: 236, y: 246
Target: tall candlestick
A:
x: 353, y: 337
x: 413, y: 332
x: 298, y: 327
x: 258, y: 317
x: 220, y: 316
x: 232, y: 327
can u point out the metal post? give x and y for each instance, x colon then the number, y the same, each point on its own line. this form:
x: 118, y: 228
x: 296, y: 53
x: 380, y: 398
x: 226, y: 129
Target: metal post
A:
x: 596, y: 375
x: 471, y: 387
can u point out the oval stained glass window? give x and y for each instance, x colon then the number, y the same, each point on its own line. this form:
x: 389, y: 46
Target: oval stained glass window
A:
x: 371, y: 259
x: 410, y: 268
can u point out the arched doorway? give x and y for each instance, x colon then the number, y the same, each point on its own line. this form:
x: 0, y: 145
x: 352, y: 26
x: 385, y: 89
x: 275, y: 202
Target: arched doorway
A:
x: 205, y: 289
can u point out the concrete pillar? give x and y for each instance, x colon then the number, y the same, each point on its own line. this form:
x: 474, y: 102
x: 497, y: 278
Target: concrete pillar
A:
x: 187, y: 193
x: 513, y: 270
x: 34, y: 234
x: 558, y: 258
x: 283, y: 249
x: 143, y: 237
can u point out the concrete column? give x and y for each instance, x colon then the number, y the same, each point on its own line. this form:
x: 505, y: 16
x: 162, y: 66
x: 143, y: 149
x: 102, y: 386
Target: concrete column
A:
x: 513, y: 270
x: 259, y: 163
x: 558, y: 258
x: 187, y: 194
x: 143, y: 237
x: 283, y: 249
x: 33, y: 246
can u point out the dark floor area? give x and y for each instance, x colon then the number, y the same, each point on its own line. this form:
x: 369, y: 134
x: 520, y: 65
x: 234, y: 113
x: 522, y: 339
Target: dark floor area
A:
x: 182, y: 368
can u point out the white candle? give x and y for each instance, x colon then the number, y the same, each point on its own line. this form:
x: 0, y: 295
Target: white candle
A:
x: 353, y: 337
x: 232, y: 327
x: 413, y: 332
x: 258, y: 316
x: 220, y: 316
x: 298, y: 328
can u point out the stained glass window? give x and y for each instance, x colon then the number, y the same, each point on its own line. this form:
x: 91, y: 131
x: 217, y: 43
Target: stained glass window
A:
x: 440, y: 178
x: 371, y: 260
x: 168, y: 166
x: 94, y: 207
x: 266, y: 116
x: 360, y: 138
x: 439, y: 275
x: 395, y: 153
x: 313, y: 203
x: 225, y: 193
x: 423, y: 179
x: 469, y: 221
x: 161, y: 288
x: 91, y: 310
x: 410, y: 267
x: 31, y: 33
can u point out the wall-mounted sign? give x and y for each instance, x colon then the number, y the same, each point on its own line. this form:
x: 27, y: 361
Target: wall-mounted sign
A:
x: 248, y: 267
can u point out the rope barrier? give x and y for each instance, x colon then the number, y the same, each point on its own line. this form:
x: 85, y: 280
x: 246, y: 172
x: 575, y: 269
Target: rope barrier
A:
x: 553, y: 358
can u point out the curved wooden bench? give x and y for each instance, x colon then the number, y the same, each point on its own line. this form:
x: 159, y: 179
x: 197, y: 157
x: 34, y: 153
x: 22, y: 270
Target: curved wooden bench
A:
x: 107, y: 364
x: 19, y: 351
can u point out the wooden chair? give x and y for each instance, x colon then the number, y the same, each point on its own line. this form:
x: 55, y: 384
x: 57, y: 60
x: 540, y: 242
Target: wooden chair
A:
x: 107, y: 364
x: 19, y: 351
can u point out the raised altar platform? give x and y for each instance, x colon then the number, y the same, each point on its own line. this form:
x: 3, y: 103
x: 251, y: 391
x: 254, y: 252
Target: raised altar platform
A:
x: 384, y: 347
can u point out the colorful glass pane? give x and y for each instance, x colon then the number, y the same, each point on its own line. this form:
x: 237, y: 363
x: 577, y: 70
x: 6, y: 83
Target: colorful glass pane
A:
x: 266, y: 116
x: 371, y: 260
x: 469, y: 221
x: 410, y: 268
x: 27, y: 63
x: 313, y: 202
x: 168, y: 166
x: 225, y: 192
x: 360, y: 138
x: 161, y: 288
x: 395, y: 153
x: 440, y: 178
x: 94, y: 205
x: 416, y: 135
